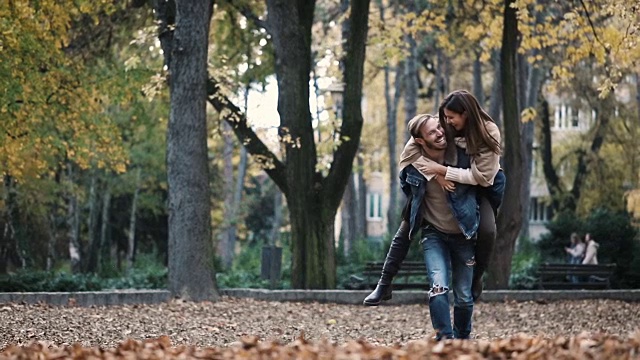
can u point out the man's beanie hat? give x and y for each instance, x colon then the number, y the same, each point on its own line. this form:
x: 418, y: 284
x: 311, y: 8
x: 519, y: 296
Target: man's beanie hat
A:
x: 416, y: 123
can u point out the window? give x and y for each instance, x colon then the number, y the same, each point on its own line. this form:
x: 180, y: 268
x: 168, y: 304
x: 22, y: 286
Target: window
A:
x: 575, y: 118
x: 374, y: 206
x: 566, y: 117
x: 539, y: 211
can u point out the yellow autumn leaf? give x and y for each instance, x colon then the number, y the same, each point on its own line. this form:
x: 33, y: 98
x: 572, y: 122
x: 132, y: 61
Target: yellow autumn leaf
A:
x: 528, y: 114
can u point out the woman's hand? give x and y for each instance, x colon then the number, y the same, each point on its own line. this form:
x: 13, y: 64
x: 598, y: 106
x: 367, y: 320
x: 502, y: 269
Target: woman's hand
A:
x: 446, y: 184
x: 433, y: 168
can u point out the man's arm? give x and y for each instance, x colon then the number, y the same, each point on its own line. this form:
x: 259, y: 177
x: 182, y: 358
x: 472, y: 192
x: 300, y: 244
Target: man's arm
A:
x: 412, y: 155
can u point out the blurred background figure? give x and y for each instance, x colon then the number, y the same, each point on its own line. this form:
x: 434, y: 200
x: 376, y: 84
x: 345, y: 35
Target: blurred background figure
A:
x: 576, y: 253
x: 591, y: 256
x: 576, y: 249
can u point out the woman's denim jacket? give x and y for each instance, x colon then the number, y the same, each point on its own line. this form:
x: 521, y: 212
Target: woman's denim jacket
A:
x: 463, y: 202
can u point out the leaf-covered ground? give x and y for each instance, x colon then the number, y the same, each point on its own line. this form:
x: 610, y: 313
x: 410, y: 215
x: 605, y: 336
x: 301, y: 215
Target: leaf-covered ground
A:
x: 244, y: 327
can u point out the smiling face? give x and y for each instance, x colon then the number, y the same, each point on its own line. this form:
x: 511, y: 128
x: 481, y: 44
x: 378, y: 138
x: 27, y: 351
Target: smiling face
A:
x: 432, y: 135
x: 457, y: 120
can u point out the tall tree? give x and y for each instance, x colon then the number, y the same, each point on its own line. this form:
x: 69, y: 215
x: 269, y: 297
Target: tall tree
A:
x: 410, y: 82
x: 191, y: 275
x: 93, y: 248
x: 533, y: 86
x: 312, y: 197
x: 391, y: 105
x: 392, y: 94
x: 495, y: 99
x: 509, y: 219
x: 349, y: 206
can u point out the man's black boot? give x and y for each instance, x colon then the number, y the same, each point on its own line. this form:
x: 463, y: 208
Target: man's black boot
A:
x: 381, y: 292
x: 397, y: 252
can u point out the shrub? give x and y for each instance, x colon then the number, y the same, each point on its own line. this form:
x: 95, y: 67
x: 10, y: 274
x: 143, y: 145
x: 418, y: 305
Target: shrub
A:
x: 39, y: 281
x: 148, y: 273
x: 523, y: 266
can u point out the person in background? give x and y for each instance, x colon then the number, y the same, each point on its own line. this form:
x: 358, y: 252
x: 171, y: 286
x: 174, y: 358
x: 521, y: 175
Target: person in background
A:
x: 576, y: 250
x: 591, y: 254
x: 576, y: 253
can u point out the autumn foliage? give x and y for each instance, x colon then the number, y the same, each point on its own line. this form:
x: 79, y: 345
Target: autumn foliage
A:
x: 583, y: 346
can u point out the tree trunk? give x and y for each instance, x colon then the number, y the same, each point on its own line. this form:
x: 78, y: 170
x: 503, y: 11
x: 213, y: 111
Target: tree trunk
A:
x: 93, y: 254
x: 232, y: 191
x: 443, y: 75
x: 495, y: 102
x: 393, y: 213
x: 105, y: 243
x: 510, y: 217
x: 478, y: 90
x: 277, y: 217
x: 348, y: 214
x: 75, y: 250
x: 10, y: 247
x: 345, y: 30
x: 350, y: 196
x: 5, y: 243
x: 191, y: 275
x: 131, y: 239
x: 633, y: 173
x: 73, y: 225
x: 237, y: 198
x: 239, y: 188
x: 228, y: 222
x: 551, y: 177
x: 638, y: 95
x: 534, y: 82
x: 313, y: 199
x: 51, y: 241
x: 410, y: 85
x: 361, y: 204
x: 313, y: 253
x: 313, y: 257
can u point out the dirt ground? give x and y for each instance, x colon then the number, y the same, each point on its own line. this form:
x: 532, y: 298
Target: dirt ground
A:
x: 224, y: 323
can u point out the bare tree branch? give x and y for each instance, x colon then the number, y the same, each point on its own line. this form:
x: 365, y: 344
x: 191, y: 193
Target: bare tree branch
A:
x: 352, y: 119
x: 250, y: 15
x: 238, y: 121
x: 593, y: 28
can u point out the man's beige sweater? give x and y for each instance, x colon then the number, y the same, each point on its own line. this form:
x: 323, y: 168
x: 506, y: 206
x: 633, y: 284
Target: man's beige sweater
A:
x: 435, y: 210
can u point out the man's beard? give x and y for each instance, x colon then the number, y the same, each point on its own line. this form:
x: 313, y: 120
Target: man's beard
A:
x: 432, y: 146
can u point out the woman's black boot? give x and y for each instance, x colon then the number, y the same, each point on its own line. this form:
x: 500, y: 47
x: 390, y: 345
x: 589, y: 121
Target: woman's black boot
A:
x: 397, y: 253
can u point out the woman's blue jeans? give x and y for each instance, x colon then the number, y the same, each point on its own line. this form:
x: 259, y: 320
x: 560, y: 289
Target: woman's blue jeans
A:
x: 446, y: 256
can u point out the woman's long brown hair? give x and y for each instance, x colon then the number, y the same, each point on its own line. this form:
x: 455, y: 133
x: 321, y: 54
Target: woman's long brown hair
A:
x: 475, y: 130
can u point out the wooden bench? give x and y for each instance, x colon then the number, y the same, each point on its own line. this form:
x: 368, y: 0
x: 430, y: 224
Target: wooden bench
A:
x: 412, y: 275
x: 559, y: 276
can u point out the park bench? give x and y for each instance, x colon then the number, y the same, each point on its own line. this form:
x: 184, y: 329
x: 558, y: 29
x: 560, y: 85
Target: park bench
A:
x: 558, y: 276
x: 412, y: 275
